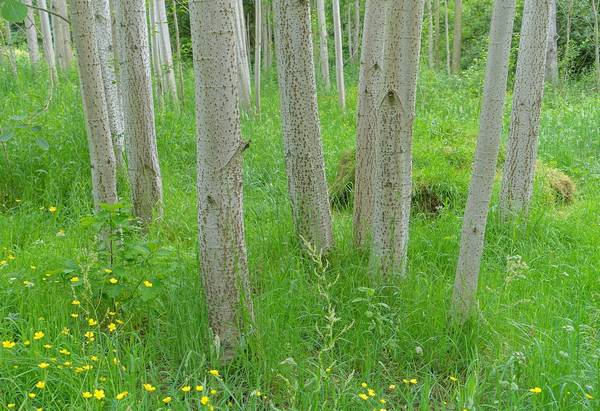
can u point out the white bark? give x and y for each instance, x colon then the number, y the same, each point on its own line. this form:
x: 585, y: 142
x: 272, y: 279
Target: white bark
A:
x: 457, y: 37
x: 104, y: 181
x: 324, y: 50
x: 596, y: 43
x: 178, y: 48
x: 155, y: 49
x: 371, y: 65
x: 521, y: 152
x: 62, y: 35
x: 486, y: 159
x: 165, y: 49
x: 223, y: 259
x: 447, y: 36
x: 356, y: 27
x: 305, y: 167
x: 393, y: 147
x: 138, y: 109
x: 103, y: 27
x: 552, y: 47
x: 437, y: 31
x: 430, y: 60
x: 350, y: 32
x: 47, y: 38
x: 257, y: 51
x: 242, y: 60
x: 31, y: 32
x: 339, y: 58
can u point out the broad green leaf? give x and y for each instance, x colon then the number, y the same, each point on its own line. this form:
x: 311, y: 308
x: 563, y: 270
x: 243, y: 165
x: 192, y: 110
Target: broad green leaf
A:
x: 14, y: 10
x: 42, y: 143
x: 6, y: 135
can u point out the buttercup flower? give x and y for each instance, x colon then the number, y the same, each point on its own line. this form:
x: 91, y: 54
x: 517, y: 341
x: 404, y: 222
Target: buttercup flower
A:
x: 8, y: 344
x: 99, y: 394
x: 87, y: 395
x: 122, y: 395
x: 38, y: 335
x: 535, y: 390
x: 149, y: 387
x: 186, y: 388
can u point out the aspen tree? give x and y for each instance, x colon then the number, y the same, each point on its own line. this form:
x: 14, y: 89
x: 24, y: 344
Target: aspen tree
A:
x: 596, y: 43
x: 155, y: 49
x: 47, y: 38
x: 371, y: 64
x: 307, y: 186
x: 446, y: 28
x: 339, y: 58
x: 62, y: 35
x: 102, y: 157
x: 521, y: 151
x: 393, y: 147
x: 323, y: 36
x: 223, y: 264
x: 31, y: 33
x: 165, y: 49
x: 257, y: 51
x: 138, y: 108
x: 457, y: 37
x: 486, y: 159
x: 178, y: 51
x: 103, y: 28
x: 436, y: 39
x: 356, y: 27
x: 552, y: 47
x: 430, y: 58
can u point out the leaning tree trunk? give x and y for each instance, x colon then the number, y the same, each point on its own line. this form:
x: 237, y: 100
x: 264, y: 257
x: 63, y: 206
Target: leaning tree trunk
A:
x: 393, y: 147
x: 339, y: 58
x: 62, y: 35
x: 113, y: 101
x: 486, y: 159
x: 457, y: 37
x: 521, y: 152
x: 366, y: 130
x: 102, y: 157
x: 300, y: 120
x: 552, y: 47
x: 165, y: 49
x: 47, y: 39
x: 31, y: 32
x: 138, y: 109
x: 223, y: 260
x: 257, y: 51
x: 324, y: 51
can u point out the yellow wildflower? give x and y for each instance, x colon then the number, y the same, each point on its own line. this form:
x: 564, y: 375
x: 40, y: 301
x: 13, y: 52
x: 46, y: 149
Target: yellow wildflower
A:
x: 52, y: 209
x: 535, y: 390
x: 204, y: 400
x: 214, y: 373
x: 453, y: 378
x: 199, y: 388
x: 32, y: 395
x: 75, y: 315
x: 93, y: 358
x: 8, y: 344
x: 64, y: 351
x: 122, y: 395
x: 413, y: 381
x: 11, y: 406
x: 47, y: 346
x: 74, y: 279
x: 186, y: 388
x: 43, y: 365
x: 107, y: 270
x: 167, y: 400
x: 41, y: 385
x: 38, y: 335
x: 112, y: 327
x: 76, y: 302
x: 148, y: 284
x: 149, y: 387
x: 26, y: 343
x: 92, y: 322
x: 87, y: 395
x: 99, y: 394
x: 364, y: 385
x: 392, y: 387
x: 113, y: 280
x: 363, y: 396
x: 213, y: 392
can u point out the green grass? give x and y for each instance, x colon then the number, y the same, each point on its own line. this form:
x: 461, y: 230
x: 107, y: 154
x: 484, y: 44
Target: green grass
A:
x: 321, y: 329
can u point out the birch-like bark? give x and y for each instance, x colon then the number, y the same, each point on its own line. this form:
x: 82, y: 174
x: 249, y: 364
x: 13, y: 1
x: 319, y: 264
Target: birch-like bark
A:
x: 552, y: 47
x: 165, y: 49
x: 31, y: 33
x: 223, y: 259
x: 178, y: 51
x: 521, y: 152
x: 436, y: 39
x: 371, y: 64
x: 568, y: 29
x: 62, y: 35
x: 393, y: 147
x: 103, y: 27
x: 305, y: 166
x: 257, y: 53
x: 350, y: 32
x: 339, y: 58
x: 323, y: 36
x: 154, y: 39
x: 138, y: 107
x: 430, y: 60
x: 47, y: 39
x: 457, y: 37
x: 486, y: 159
x: 356, y: 27
x: 446, y: 27
x: 102, y: 157
x: 243, y: 71
x: 596, y: 43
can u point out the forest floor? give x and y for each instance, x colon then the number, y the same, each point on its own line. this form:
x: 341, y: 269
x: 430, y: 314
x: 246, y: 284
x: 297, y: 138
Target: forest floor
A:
x: 90, y: 322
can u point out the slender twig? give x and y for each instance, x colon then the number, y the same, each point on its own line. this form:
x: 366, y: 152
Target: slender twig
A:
x: 49, y: 12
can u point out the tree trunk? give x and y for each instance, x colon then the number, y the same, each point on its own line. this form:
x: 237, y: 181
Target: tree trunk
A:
x: 339, y: 58
x: 356, y: 28
x: 178, y: 50
x: 10, y: 50
x: 223, y: 259
x: 436, y: 39
x: 596, y: 45
x: 446, y: 27
x: 430, y: 60
x: 323, y: 43
x: 485, y: 162
x: 154, y: 39
x: 393, y: 147
x: 31, y: 32
x: 102, y: 156
x: 300, y: 121
x: 103, y: 28
x: 350, y: 32
x: 47, y: 39
x: 165, y: 49
x: 243, y: 68
x: 62, y: 35
x: 568, y: 29
x: 552, y: 48
x: 366, y: 130
x: 138, y: 108
x: 521, y: 152
x: 457, y: 39
x: 257, y: 51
